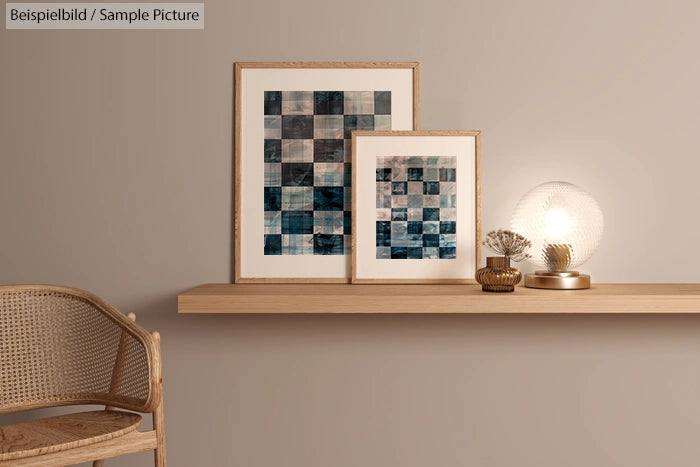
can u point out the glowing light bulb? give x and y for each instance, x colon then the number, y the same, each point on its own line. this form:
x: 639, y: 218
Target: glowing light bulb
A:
x: 565, y: 226
x: 556, y: 225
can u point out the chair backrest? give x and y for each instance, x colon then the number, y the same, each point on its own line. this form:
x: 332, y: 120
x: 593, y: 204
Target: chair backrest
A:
x: 61, y: 346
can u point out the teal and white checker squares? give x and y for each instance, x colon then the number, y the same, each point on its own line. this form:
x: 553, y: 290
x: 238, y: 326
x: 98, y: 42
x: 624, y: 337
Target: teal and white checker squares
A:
x: 273, y: 175
x: 297, y: 198
x: 307, y: 166
x: 273, y: 127
x: 359, y: 102
x: 328, y: 222
x: 273, y: 222
x: 297, y: 150
x: 329, y: 174
x: 329, y: 126
x: 297, y: 102
x: 416, y: 201
x: 298, y: 244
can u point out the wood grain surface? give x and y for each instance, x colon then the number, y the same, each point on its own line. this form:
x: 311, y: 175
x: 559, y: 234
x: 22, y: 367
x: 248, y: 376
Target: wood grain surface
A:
x: 64, y: 432
x: 132, y: 442
x: 353, y: 298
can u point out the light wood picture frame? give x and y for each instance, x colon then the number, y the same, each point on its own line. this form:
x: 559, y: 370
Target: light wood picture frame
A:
x: 292, y: 156
x: 416, y: 213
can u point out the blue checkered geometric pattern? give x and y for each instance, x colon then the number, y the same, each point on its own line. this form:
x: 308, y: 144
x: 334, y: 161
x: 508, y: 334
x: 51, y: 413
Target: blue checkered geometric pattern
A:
x: 307, y: 175
x: 416, y: 207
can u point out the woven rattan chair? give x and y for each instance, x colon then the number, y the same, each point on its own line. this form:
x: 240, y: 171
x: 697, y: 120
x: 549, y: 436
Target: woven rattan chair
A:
x: 61, y: 346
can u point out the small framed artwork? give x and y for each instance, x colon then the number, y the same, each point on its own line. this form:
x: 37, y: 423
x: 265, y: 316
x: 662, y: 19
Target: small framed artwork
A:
x: 417, y: 207
x: 293, y: 176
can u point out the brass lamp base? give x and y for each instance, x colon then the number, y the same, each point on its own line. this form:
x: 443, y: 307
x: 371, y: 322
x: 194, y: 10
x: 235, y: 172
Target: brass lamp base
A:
x: 569, y: 280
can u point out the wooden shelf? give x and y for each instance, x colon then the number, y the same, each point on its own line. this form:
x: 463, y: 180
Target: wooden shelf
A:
x: 347, y: 298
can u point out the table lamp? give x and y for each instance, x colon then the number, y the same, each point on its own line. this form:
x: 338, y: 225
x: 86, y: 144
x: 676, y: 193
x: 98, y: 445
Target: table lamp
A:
x: 565, y: 225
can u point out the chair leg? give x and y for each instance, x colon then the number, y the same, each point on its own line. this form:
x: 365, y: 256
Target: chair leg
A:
x: 101, y: 462
x: 159, y: 427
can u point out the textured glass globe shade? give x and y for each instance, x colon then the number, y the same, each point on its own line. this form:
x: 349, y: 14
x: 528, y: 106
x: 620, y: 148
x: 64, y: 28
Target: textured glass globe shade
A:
x: 563, y: 222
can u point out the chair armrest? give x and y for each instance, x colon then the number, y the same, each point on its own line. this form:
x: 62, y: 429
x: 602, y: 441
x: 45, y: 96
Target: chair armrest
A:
x: 125, y: 376
x: 66, y: 346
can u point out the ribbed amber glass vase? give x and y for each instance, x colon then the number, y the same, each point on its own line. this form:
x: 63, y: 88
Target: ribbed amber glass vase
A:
x: 498, y: 276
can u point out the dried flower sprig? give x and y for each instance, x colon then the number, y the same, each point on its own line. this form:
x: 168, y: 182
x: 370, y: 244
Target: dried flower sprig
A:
x: 509, y: 244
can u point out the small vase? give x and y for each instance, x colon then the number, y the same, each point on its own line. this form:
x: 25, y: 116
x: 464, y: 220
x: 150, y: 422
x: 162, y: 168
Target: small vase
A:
x: 498, y: 276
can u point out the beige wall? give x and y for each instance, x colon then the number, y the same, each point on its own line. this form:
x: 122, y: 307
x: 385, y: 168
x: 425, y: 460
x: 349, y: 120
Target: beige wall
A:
x: 116, y: 178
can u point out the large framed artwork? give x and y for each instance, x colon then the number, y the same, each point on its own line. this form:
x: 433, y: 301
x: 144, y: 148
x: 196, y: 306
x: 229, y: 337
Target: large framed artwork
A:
x: 417, y: 206
x: 293, y: 176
